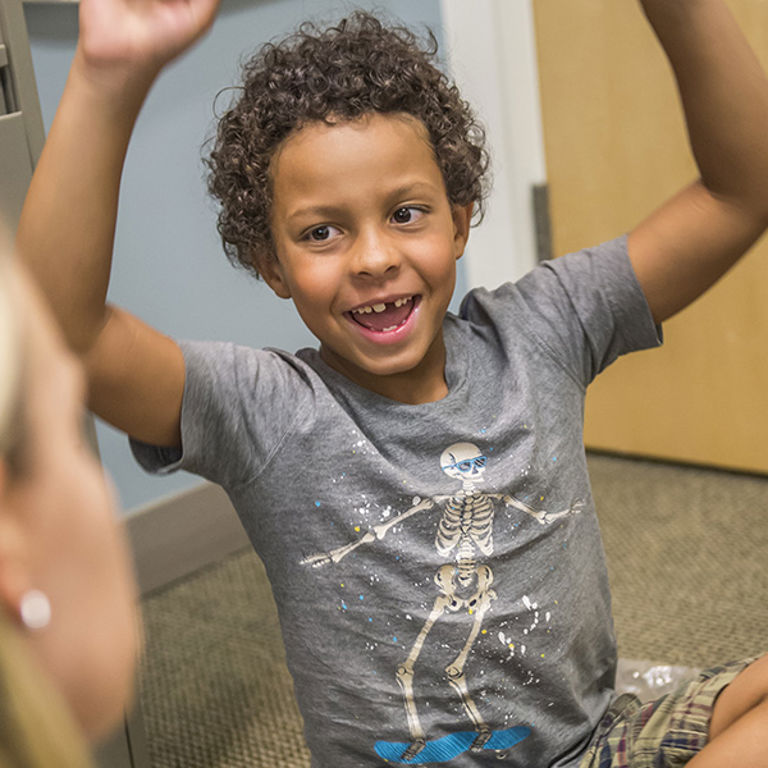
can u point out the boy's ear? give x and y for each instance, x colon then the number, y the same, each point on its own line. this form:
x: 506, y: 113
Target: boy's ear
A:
x: 272, y: 272
x: 462, y: 217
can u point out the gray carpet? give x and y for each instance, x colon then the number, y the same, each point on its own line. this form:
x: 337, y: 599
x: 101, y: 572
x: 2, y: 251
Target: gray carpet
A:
x: 214, y: 690
x: 686, y: 551
x: 687, y: 554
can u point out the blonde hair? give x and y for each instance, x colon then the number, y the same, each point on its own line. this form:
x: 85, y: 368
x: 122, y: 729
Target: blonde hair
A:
x: 37, y: 729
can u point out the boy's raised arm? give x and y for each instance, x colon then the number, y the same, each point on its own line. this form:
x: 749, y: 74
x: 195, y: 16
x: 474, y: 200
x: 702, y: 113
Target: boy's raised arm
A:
x: 67, y: 227
x: 686, y: 245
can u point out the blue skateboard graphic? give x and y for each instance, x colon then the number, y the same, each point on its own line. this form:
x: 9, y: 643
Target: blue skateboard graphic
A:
x: 447, y: 747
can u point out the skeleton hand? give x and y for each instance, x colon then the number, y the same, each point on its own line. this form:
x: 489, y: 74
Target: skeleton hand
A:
x: 317, y: 560
x: 575, y: 508
x: 550, y: 517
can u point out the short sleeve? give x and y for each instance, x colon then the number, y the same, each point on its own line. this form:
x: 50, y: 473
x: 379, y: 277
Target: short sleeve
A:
x: 238, y: 405
x: 586, y: 308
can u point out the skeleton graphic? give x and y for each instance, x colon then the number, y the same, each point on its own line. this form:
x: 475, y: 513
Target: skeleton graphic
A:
x: 465, y: 530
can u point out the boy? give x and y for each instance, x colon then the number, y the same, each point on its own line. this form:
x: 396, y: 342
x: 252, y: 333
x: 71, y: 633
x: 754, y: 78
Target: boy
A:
x: 416, y: 488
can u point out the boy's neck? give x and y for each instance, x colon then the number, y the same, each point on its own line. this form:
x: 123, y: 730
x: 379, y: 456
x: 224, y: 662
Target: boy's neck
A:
x: 423, y: 384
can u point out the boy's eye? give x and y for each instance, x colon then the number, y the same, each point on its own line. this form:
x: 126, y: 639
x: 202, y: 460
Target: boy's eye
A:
x: 406, y: 215
x: 321, y: 234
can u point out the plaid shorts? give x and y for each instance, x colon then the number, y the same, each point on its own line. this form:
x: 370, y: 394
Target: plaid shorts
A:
x: 664, y: 733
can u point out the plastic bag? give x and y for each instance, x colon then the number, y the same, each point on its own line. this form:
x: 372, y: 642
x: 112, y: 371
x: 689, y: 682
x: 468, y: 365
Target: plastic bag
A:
x: 650, y: 680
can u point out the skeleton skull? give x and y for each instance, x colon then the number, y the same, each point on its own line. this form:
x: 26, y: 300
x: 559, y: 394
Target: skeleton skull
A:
x: 465, y: 462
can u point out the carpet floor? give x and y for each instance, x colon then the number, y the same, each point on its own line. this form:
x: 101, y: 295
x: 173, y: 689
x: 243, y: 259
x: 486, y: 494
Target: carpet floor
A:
x: 686, y: 550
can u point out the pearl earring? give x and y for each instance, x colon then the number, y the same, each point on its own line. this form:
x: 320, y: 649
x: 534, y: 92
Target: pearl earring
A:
x: 35, y: 610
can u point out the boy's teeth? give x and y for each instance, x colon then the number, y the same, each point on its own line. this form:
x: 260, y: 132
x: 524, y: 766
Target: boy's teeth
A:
x: 379, y: 308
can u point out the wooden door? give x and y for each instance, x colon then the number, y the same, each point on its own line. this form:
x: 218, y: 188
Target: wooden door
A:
x: 616, y: 148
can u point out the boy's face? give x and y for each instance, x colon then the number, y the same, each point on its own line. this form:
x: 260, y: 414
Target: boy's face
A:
x: 367, y: 243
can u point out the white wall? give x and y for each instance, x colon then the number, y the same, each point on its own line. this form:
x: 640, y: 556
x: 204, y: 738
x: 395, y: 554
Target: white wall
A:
x: 491, y: 52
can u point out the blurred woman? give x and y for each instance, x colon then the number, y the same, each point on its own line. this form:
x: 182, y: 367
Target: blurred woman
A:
x: 68, y: 621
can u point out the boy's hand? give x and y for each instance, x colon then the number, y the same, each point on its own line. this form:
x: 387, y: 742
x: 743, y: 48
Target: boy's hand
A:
x: 122, y: 37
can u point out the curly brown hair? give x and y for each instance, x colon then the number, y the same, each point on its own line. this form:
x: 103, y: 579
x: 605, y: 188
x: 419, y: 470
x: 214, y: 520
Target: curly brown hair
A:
x: 359, y: 66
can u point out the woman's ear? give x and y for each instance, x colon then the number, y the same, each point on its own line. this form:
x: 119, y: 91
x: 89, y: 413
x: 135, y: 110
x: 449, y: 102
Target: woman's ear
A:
x: 272, y: 272
x: 462, y: 218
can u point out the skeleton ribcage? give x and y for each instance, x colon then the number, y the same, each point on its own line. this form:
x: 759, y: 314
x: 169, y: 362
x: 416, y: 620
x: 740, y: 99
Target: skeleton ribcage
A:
x: 466, y: 525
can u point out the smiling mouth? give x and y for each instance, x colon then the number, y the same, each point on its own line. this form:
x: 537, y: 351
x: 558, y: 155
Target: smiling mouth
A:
x: 386, y: 316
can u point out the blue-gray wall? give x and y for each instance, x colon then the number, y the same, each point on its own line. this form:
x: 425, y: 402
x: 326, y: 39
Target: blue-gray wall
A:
x: 169, y: 267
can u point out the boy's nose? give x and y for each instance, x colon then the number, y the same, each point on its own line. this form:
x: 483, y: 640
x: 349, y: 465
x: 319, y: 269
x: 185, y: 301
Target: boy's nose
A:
x: 375, y: 256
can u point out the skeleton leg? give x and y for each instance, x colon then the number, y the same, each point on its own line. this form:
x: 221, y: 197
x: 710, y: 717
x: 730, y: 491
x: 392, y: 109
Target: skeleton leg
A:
x: 446, y: 600
x: 478, y: 605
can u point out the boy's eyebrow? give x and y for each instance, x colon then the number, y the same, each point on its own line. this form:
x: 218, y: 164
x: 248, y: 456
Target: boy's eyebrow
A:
x: 322, y: 211
x: 412, y: 188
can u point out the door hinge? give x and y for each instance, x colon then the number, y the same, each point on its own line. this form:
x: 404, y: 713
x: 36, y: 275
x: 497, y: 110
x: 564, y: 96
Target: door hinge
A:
x: 542, y: 223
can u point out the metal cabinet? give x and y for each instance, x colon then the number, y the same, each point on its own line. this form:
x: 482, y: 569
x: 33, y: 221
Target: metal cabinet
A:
x: 21, y: 125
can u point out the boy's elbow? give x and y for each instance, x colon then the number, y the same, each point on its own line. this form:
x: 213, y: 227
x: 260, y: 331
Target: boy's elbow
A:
x: 746, y: 210
x: 755, y: 214
x: 82, y: 331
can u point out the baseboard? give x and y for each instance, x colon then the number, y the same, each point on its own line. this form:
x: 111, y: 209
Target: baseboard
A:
x: 178, y: 535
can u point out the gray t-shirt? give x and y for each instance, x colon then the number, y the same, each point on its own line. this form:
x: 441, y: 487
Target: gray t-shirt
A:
x: 479, y: 622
